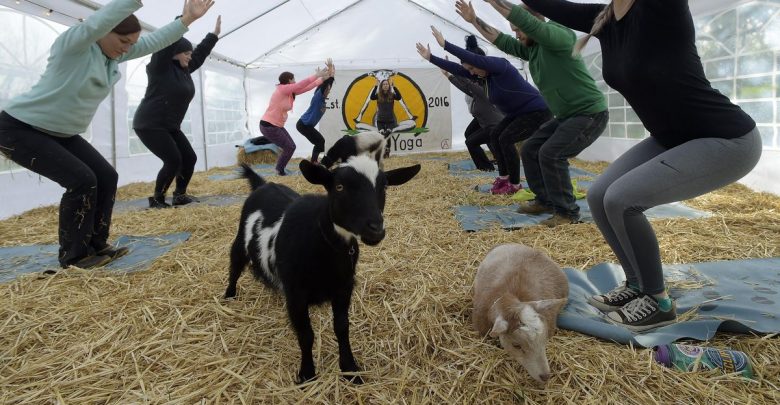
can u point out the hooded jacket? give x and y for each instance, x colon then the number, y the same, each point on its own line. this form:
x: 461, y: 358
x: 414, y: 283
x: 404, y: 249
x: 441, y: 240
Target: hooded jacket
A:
x: 170, y: 87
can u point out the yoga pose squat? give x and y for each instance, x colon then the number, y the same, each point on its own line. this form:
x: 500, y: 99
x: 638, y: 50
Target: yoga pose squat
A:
x: 272, y: 123
x: 158, y: 118
x: 699, y: 141
x: 523, y: 107
x: 40, y: 129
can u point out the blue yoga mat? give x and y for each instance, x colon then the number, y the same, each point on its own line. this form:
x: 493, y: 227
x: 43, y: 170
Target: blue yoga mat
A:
x: 466, y: 168
x: 265, y: 170
x: 475, y: 218
x: 212, y: 200
x: 18, y: 260
x: 740, y: 296
x: 249, y: 147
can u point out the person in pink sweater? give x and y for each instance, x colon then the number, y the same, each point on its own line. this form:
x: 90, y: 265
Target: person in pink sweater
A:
x: 272, y: 123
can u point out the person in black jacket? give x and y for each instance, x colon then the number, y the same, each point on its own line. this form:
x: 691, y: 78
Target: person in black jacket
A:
x: 158, y: 118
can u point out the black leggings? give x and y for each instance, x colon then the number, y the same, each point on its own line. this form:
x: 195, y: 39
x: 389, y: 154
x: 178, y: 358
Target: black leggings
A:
x: 314, y: 136
x: 476, y: 136
x: 510, y: 131
x: 177, y: 155
x: 89, y: 181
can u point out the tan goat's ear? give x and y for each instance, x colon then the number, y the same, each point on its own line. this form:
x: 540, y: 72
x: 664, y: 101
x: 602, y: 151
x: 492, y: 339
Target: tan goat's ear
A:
x: 545, y: 304
x: 499, y: 326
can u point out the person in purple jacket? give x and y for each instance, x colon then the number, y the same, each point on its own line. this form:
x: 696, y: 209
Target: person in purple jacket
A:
x: 699, y: 140
x: 306, y: 124
x: 523, y: 107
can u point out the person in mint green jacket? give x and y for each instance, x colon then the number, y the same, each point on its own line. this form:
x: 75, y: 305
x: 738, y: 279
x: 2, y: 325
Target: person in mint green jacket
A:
x: 39, y: 129
x: 579, y: 108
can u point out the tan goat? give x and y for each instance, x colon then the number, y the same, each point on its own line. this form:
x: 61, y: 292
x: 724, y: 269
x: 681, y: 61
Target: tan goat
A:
x: 518, y: 293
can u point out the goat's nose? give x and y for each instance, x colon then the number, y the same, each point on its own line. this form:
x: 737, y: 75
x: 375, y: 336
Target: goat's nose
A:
x: 375, y: 226
x: 545, y: 377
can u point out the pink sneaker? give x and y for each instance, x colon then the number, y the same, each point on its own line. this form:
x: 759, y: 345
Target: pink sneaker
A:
x: 499, y: 184
x: 509, y: 189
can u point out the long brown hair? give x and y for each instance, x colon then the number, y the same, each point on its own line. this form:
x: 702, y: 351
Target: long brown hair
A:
x: 129, y: 25
x: 598, y: 23
x: 382, y: 95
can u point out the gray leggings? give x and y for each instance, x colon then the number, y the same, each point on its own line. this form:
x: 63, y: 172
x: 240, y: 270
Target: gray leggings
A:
x: 648, y: 175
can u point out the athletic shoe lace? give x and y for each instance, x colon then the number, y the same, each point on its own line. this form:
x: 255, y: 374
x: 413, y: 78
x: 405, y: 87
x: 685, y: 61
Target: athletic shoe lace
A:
x: 639, y: 308
x: 620, y: 294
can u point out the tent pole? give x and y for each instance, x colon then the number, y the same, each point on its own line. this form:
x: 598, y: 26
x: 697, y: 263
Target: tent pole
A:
x: 113, y: 127
x: 203, y: 119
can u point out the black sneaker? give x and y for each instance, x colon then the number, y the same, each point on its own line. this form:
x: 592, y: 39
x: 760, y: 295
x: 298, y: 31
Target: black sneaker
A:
x: 641, y: 314
x: 113, y: 253
x: 183, y: 199
x: 91, y: 262
x: 615, y: 299
x: 155, y: 202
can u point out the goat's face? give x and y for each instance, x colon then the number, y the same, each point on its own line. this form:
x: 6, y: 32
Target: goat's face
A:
x: 356, y: 194
x: 523, y: 334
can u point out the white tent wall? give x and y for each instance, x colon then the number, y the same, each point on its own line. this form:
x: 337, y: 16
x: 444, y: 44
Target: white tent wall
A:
x: 295, y: 35
x: 224, y: 104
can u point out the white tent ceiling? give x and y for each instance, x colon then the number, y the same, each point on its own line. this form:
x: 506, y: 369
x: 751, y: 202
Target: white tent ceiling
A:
x: 283, y: 32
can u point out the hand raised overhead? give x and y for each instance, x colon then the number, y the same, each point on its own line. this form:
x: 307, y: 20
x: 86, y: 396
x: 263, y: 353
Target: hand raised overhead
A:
x: 424, y: 51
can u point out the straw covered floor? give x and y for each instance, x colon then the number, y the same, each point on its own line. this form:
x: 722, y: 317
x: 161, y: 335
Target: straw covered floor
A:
x: 165, y: 335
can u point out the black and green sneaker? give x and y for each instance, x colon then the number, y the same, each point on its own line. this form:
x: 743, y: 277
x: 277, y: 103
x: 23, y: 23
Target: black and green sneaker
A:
x: 641, y: 314
x: 615, y: 299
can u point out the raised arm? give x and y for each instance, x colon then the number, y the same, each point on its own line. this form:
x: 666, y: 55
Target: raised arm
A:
x: 466, y: 11
x: 156, y: 41
x: 576, y: 16
x: 491, y: 64
x: 446, y: 65
x: 202, y: 51
x: 98, y: 25
x: 550, y: 36
x: 193, y: 10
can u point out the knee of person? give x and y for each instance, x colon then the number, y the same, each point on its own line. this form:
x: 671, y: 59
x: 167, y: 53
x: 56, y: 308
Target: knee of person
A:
x: 547, y: 153
x: 190, y: 158
x: 83, y: 183
x: 595, y: 196
x: 108, y: 179
x: 173, y: 162
x: 614, y: 202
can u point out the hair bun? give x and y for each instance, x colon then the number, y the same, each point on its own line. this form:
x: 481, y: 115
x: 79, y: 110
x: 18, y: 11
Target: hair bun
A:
x: 471, y: 42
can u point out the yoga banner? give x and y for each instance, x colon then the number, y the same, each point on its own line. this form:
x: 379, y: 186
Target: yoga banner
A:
x: 421, y: 108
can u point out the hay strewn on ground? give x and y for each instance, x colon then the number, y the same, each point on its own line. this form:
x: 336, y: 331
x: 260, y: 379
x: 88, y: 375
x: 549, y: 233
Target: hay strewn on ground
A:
x: 166, y: 336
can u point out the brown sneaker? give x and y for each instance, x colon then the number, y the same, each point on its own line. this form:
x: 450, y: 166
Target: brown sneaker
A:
x: 533, y: 207
x: 91, y: 262
x: 558, y: 219
x: 113, y: 253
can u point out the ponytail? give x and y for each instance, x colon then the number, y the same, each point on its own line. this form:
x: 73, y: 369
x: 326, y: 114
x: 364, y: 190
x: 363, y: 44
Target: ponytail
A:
x: 598, y: 23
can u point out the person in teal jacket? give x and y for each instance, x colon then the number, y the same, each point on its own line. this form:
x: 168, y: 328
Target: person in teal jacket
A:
x: 39, y: 129
x: 579, y: 108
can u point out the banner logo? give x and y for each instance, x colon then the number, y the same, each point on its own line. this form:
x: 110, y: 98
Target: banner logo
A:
x: 360, y: 105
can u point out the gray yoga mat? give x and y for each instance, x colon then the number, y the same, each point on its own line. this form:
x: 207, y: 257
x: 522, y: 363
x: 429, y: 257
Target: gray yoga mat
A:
x: 739, y: 296
x: 475, y: 218
x: 19, y: 260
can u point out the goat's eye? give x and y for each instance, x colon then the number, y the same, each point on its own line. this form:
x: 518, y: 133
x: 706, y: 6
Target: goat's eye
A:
x: 339, y: 187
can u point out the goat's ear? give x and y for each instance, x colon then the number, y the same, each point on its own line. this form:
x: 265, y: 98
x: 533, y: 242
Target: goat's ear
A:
x: 499, y: 326
x: 396, y: 177
x: 546, y: 304
x: 315, y: 174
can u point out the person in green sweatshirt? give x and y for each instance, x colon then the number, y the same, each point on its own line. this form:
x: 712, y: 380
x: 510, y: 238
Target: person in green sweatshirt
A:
x: 579, y: 108
x: 39, y: 129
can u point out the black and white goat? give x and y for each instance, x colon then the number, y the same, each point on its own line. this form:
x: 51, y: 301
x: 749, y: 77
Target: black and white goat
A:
x: 370, y: 143
x: 306, y: 246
